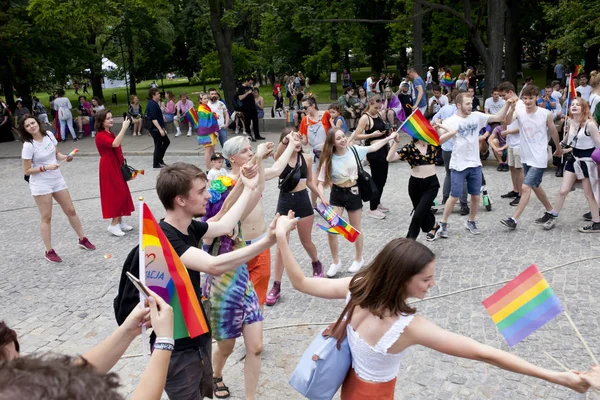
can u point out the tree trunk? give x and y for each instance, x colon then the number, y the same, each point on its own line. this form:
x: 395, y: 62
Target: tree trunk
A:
x: 96, y: 69
x: 591, y: 58
x: 132, y: 73
x: 418, y: 38
x: 513, y: 42
x: 493, y: 68
x: 23, y: 88
x: 222, y: 35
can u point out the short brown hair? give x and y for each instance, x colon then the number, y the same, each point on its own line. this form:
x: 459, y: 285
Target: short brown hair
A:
x: 460, y: 97
x: 176, y: 180
x: 7, y: 336
x: 55, y: 377
x: 530, y: 91
x: 152, y: 92
x: 336, y: 107
x: 506, y: 87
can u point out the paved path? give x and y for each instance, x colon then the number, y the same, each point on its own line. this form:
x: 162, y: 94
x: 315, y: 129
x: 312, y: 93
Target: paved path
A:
x: 67, y: 308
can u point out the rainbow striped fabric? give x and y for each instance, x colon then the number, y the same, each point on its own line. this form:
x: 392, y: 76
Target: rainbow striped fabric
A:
x: 290, y: 117
x: 417, y: 126
x: 578, y: 69
x: 571, y: 93
x: 192, y: 116
x: 207, y: 122
x: 337, y: 225
x: 447, y: 79
x: 167, y: 276
x: 523, y: 305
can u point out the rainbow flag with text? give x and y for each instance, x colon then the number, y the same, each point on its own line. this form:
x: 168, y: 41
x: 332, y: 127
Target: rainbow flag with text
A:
x: 167, y: 276
x: 523, y: 305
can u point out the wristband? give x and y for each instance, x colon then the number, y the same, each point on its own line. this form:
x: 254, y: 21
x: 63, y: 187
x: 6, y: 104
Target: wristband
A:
x: 166, y: 340
x: 41, y: 169
x: 164, y: 346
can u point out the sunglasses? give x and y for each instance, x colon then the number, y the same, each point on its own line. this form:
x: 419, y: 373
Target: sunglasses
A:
x: 305, y: 107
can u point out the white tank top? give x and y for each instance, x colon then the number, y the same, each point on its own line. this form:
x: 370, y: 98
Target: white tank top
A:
x: 374, y: 363
x: 580, y: 140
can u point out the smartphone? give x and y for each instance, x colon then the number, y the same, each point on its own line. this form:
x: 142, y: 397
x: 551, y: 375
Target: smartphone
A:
x: 138, y: 285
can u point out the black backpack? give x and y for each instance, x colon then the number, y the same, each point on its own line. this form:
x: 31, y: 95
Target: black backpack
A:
x: 127, y: 297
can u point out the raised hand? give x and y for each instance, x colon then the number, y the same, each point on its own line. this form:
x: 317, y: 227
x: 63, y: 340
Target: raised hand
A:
x: 286, y: 224
x: 574, y: 381
x: 249, y: 175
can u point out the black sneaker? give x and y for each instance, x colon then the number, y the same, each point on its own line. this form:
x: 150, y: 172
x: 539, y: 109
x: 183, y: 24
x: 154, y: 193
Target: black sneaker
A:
x: 515, y: 201
x: 593, y: 228
x: 544, y: 218
x: 587, y: 216
x: 510, y: 223
x: 500, y: 168
x: 559, y: 173
x: 510, y: 195
x: 464, y: 209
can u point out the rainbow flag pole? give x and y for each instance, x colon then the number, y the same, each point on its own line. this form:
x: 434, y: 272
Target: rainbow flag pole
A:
x: 417, y: 126
x: 142, y: 277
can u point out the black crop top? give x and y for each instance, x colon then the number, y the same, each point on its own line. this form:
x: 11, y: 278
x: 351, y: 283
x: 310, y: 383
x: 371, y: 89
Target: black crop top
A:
x: 414, y: 157
x: 291, y: 176
x: 378, y: 125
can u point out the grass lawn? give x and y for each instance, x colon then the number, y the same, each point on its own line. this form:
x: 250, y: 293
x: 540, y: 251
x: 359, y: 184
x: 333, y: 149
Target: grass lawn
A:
x: 320, y: 90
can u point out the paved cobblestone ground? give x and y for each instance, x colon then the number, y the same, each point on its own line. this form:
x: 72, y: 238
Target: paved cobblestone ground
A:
x: 67, y: 308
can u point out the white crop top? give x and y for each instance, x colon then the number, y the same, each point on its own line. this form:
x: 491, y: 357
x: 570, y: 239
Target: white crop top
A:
x: 375, y: 364
x: 580, y: 139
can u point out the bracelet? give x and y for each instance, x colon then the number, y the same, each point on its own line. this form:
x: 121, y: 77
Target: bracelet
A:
x: 165, y: 340
x: 164, y: 346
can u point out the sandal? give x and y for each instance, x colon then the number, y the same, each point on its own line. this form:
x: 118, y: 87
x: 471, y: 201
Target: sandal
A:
x: 431, y: 236
x: 221, y: 388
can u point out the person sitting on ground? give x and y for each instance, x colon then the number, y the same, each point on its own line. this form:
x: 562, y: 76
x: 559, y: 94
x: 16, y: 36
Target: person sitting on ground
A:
x: 135, y: 112
x: 380, y: 325
x: 347, y: 102
x: 53, y: 377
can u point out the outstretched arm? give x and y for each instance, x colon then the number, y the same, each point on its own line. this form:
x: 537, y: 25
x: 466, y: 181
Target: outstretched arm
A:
x: 502, y: 113
x: 318, y: 287
x: 425, y: 333
x: 380, y: 143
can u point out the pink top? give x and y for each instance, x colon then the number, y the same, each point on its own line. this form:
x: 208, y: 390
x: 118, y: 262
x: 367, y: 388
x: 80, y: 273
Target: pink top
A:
x: 170, y: 107
x: 184, y: 107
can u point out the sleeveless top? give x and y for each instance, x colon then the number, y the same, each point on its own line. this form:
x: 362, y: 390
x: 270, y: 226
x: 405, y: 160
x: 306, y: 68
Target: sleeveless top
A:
x: 378, y: 125
x: 581, y: 140
x: 374, y: 363
x: 290, y: 176
x: 303, y: 168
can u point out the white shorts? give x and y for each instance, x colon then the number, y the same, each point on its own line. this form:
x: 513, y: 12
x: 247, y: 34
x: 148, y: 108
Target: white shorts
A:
x: 47, y: 187
x: 514, y: 157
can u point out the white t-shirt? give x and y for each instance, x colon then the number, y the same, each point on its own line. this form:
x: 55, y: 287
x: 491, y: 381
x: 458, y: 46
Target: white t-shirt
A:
x: 215, y: 173
x: 65, y: 104
x: 533, y: 130
x: 42, y: 153
x: 429, y: 77
x: 585, y: 91
x: 493, y: 106
x: 514, y: 139
x: 556, y: 96
x: 441, y: 102
x: 593, y: 100
x: 344, y: 168
x: 219, y: 108
x: 465, y: 153
x: 369, y: 83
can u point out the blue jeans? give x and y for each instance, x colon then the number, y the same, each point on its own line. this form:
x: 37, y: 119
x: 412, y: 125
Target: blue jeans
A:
x: 473, y: 177
x: 533, y: 176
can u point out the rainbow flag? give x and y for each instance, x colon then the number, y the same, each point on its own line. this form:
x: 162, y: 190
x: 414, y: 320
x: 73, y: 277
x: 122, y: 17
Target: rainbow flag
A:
x: 523, y: 305
x: 447, y: 79
x: 192, y: 116
x: 290, y: 117
x: 571, y: 93
x: 167, y: 276
x: 136, y: 173
x: 337, y: 225
x: 578, y: 69
x: 417, y: 126
x: 207, y: 121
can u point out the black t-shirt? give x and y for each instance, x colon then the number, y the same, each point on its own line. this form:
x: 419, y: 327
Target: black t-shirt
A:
x: 248, y: 101
x: 406, y: 101
x: 476, y: 104
x: 181, y: 243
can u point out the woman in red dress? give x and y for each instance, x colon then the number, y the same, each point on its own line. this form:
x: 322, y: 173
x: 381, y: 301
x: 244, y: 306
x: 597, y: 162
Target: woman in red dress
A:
x: 115, y: 196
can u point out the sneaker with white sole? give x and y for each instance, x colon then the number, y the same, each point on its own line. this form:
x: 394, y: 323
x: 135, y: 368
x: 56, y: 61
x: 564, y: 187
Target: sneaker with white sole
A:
x: 382, y: 208
x: 356, y: 266
x: 125, y: 227
x: 189, y: 133
x: 472, y: 227
x: 116, y: 230
x: 52, y: 256
x: 443, y: 232
x: 376, y: 214
x: 178, y: 133
x: 593, y: 228
x: 333, y: 269
x: 85, y: 244
x: 550, y: 223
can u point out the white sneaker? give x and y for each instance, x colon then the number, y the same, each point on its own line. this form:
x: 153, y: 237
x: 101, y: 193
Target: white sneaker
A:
x: 356, y: 266
x: 189, y: 133
x: 116, y: 230
x: 178, y: 133
x: 333, y: 269
x: 375, y: 214
x: 125, y: 227
x: 237, y: 131
x: 93, y: 133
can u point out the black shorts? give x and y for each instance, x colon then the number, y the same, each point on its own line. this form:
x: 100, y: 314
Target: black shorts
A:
x: 298, y: 202
x: 579, y: 153
x: 348, y: 198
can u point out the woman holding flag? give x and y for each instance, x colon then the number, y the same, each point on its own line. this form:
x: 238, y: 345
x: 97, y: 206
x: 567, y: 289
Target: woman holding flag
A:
x: 208, y: 128
x: 423, y: 185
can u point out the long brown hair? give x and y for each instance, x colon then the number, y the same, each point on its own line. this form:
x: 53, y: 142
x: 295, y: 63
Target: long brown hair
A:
x: 100, y: 118
x: 26, y: 136
x: 382, y: 286
x: 327, y: 154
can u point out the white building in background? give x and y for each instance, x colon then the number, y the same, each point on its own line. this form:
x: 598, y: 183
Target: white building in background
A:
x: 107, y: 83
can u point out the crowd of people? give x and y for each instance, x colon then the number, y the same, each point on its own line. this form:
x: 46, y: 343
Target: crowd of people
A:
x: 227, y: 238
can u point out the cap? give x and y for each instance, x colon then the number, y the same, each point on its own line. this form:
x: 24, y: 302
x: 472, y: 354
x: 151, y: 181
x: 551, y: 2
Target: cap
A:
x: 430, y: 67
x: 217, y: 156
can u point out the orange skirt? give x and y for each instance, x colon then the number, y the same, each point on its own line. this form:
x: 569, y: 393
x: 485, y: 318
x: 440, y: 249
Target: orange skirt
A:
x: 355, y: 388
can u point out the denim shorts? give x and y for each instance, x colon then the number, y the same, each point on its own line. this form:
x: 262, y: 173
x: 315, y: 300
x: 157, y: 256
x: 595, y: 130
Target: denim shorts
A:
x: 169, y: 117
x: 457, y: 179
x: 348, y: 198
x: 298, y: 202
x: 533, y: 176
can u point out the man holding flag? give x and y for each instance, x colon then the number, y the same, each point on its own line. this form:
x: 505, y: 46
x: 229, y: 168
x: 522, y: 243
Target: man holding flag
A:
x: 465, y: 163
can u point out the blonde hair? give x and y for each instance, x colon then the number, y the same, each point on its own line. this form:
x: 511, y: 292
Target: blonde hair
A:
x: 462, y: 76
x: 594, y: 79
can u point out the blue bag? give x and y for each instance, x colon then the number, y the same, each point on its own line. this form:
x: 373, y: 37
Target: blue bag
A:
x: 323, y: 366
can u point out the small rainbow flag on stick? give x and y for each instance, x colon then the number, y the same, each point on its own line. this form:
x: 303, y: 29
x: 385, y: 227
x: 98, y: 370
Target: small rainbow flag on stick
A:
x: 337, y: 225
x: 417, y: 126
x: 523, y: 305
x: 192, y: 116
x: 71, y: 154
x: 137, y: 172
x: 578, y: 69
x: 290, y: 117
x: 167, y: 276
